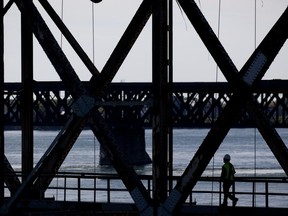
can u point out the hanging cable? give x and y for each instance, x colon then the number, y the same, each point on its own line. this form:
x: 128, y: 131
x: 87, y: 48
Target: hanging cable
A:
x: 255, y: 137
x: 93, y: 60
x: 255, y: 164
x: 93, y: 35
x: 61, y: 37
x: 218, y: 33
x: 213, y: 159
x: 62, y: 17
x: 255, y: 24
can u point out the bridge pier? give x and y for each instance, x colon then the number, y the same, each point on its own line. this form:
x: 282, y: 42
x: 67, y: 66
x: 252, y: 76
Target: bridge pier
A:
x: 131, y: 141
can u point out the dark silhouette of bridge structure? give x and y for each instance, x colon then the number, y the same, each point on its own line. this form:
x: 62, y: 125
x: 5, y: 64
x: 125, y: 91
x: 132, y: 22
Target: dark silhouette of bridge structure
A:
x: 78, y: 104
x: 194, y: 105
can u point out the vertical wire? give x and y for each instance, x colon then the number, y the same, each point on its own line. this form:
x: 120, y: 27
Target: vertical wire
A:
x: 255, y: 24
x: 62, y: 17
x: 61, y: 39
x: 255, y: 43
x: 254, y: 186
x: 93, y: 34
x: 93, y: 60
x: 255, y: 137
x: 213, y: 160
x: 218, y: 33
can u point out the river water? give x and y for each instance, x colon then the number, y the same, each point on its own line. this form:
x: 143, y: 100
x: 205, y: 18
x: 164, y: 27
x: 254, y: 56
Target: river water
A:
x: 250, y: 154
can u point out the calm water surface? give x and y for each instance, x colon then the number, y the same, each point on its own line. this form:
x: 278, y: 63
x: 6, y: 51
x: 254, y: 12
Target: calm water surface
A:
x: 249, y: 152
x: 250, y: 155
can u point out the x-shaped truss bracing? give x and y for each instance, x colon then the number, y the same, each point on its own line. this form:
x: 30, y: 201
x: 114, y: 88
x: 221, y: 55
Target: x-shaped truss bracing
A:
x: 243, y: 82
x: 84, y: 106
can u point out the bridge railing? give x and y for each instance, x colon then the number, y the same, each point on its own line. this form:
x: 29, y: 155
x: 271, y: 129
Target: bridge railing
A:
x: 108, y: 188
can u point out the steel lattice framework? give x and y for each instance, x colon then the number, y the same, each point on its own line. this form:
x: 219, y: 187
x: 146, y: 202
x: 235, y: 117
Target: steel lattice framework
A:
x: 86, y: 102
x: 126, y: 104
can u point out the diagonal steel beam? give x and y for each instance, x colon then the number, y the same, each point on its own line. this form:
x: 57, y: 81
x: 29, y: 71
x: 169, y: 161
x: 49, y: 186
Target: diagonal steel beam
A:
x: 7, y: 6
x: 66, y: 138
x: 269, y: 133
x: 122, y: 48
x: 251, y: 73
x: 114, y: 62
x: 10, y: 178
x: 276, y: 38
x: 70, y: 38
x: 52, y: 49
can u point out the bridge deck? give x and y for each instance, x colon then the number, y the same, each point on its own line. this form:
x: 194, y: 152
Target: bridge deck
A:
x: 90, y: 194
x: 51, y: 208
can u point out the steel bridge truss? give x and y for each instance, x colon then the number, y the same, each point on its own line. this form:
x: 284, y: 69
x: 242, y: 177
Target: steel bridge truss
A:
x: 127, y: 104
x: 85, y: 105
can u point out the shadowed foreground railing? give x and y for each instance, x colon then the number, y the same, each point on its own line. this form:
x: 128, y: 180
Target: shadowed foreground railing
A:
x: 108, y: 188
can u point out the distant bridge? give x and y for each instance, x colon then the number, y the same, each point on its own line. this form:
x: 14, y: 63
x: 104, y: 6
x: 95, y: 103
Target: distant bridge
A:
x: 128, y: 104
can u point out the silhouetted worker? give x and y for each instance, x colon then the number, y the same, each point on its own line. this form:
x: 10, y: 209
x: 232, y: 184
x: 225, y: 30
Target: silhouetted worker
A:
x: 227, y: 177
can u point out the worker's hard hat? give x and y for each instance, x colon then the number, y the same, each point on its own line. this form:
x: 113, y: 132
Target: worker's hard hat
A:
x: 227, y: 157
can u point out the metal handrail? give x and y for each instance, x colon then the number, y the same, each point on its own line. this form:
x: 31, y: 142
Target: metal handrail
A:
x: 111, y: 184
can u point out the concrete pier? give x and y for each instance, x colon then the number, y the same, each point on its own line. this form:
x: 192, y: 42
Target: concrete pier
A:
x: 131, y: 141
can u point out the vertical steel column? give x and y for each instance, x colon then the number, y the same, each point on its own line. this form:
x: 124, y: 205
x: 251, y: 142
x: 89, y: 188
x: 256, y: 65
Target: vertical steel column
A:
x: 83, y: 108
x: 1, y: 104
x: 27, y: 96
x: 170, y: 93
x: 251, y: 73
x: 160, y: 97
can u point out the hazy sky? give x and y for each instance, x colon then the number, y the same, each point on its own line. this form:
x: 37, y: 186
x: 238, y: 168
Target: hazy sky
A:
x: 192, y: 61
